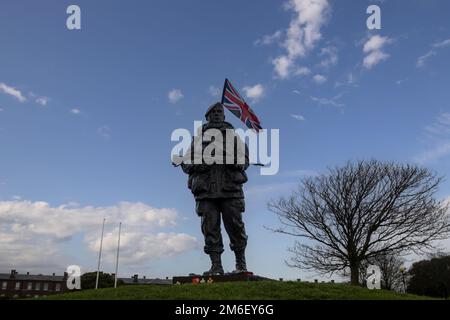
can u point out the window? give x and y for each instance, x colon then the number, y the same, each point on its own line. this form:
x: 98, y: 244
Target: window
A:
x: 17, y: 285
x: 37, y: 286
x: 30, y: 286
x: 58, y: 287
x: 4, y: 285
x: 46, y: 286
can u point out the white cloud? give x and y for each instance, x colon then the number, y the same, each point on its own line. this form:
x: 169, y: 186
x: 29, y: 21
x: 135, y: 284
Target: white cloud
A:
x: 12, y: 92
x: 373, y: 49
x: 333, y: 101
x: 438, y: 139
x: 104, y: 131
x: 282, y: 65
x: 269, y: 39
x: 23, y: 255
x: 438, y: 151
x: 27, y: 225
x: 43, y: 101
x: 75, y: 111
x: 433, y: 52
x: 138, y: 247
x: 442, y: 44
x: 319, y: 79
x: 298, y: 117
x: 374, y: 58
x: 331, y: 57
x: 441, y: 128
x: 255, y: 92
x: 175, y: 95
x: 421, y: 60
x: 303, y: 33
x: 375, y: 43
x: 350, y: 80
x: 214, y: 91
x: 302, y: 71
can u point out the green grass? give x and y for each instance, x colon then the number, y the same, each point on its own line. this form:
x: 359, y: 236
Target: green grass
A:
x: 251, y: 290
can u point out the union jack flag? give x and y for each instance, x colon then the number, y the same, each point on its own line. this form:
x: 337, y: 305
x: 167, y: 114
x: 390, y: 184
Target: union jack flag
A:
x: 233, y: 102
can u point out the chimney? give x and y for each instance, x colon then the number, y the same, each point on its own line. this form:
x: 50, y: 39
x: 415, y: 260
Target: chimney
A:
x: 28, y: 273
x: 144, y: 277
x: 53, y: 274
x: 13, y: 274
x: 66, y: 275
x: 135, y: 278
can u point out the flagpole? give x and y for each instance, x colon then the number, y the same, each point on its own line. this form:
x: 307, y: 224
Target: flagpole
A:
x: 117, y: 258
x: 100, y: 255
x: 224, y: 89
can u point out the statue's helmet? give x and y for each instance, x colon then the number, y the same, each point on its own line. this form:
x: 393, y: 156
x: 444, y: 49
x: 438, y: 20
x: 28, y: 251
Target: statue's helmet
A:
x: 212, y: 107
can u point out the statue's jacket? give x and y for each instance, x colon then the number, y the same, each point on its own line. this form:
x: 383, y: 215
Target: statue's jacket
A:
x: 216, y: 181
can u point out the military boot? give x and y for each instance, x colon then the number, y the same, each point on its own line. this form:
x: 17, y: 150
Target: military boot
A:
x: 216, y: 265
x: 241, y: 265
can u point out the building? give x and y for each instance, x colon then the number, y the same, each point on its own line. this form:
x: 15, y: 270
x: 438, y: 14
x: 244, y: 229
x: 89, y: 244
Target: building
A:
x: 15, y: 285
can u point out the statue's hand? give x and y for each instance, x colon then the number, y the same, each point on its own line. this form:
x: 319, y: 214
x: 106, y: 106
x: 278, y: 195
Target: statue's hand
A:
x: 239, y: 167
x: 186, y: 168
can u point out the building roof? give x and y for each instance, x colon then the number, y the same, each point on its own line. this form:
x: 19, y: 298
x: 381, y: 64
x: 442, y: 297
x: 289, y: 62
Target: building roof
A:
x: 39, y: 277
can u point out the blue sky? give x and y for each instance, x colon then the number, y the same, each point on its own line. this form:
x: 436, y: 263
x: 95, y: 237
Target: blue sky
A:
x: 86, y: 116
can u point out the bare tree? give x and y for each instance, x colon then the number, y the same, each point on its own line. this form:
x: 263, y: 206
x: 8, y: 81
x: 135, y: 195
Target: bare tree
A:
x: 360, y: 211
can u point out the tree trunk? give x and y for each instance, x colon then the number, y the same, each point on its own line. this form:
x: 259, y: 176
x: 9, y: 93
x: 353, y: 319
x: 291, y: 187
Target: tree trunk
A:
x: 354, y: 274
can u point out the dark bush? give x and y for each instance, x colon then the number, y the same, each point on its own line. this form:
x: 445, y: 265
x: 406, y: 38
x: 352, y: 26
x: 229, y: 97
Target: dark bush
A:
x: 105, y: 280
x: 431, y: 277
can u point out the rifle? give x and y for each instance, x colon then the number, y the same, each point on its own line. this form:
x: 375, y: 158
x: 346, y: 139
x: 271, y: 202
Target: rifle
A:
x: 252, y: 164
x: 180, y: 160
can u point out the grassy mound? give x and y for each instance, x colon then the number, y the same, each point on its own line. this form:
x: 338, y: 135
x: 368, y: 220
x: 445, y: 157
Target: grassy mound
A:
x: 251, y: 290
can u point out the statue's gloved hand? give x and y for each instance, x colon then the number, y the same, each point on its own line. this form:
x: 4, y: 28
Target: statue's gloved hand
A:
x: 239, y: 167
x: 187, y: 168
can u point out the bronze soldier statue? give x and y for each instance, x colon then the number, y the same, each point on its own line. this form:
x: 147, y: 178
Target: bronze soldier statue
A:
x: 217, y: 189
